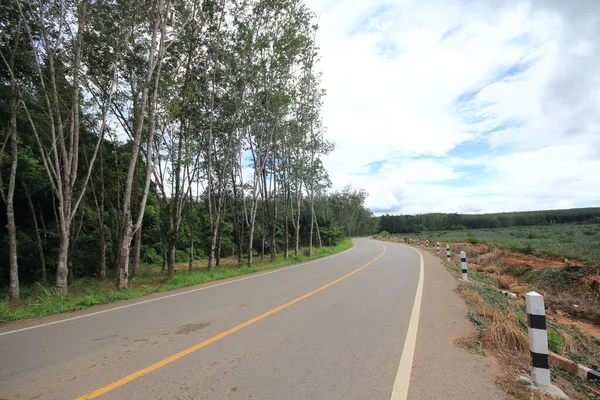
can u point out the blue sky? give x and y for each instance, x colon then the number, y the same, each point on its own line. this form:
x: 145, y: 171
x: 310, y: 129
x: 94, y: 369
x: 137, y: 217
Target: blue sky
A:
x: 466, y: 106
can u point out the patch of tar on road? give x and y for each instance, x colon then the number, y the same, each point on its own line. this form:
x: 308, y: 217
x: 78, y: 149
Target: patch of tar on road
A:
x: 185, y: 329
x: 243, y: 305
x: 105, y: 337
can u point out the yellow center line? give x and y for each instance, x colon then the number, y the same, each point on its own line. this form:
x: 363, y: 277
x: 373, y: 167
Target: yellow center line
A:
x: 118, y: 383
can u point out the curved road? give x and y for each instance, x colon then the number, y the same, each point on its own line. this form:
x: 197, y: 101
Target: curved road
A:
x: 335, y: 328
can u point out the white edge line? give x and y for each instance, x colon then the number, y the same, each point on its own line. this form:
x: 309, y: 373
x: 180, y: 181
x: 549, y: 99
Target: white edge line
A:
x: 256, y: 275
x: 402, y: 382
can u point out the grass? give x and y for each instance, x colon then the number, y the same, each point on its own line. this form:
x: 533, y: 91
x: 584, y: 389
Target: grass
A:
x: 574, y: 241
x: 37, y: 300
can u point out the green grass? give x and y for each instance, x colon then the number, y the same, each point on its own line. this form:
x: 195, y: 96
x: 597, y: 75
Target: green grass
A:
x: 37, y: 300
x: 573, y: 241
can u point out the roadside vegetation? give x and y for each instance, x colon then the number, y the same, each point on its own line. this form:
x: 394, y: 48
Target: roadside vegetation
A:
x: 160, y: 132
x: 38, y: 300
x: 572, y: 297
x: 578, y: 241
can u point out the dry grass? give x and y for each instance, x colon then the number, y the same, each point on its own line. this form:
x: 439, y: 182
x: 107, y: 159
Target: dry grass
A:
x: 475, y: 267
x: 506, y: 281
x: 501, y: 334
x: 474, y: 252
x: 506, y: 336
x: 493, y: 258
x: 479, y: 306
x: 491, y: 270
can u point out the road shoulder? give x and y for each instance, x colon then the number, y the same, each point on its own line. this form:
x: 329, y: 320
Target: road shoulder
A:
x: 441, y: 370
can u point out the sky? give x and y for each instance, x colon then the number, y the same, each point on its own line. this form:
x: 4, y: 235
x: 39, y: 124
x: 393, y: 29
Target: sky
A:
x: 463, y: 106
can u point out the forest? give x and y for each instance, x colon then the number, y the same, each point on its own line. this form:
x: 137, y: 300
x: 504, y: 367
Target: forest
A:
x: 442, y: 222
x: 157, y: 132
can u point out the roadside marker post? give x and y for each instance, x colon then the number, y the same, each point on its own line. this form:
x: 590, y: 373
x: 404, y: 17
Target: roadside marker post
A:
x: 538, y: 338
x: 437, y: 247
x: 447, y: 252
x: 418, y: 242
x: 463, y: 264
x: 427, y: 243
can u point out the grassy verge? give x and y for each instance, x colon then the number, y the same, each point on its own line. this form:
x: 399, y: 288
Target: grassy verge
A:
x: 502, y: 333
x: 38, y: 300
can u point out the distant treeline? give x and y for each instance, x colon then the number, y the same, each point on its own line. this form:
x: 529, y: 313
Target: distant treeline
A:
x: 440, y: 221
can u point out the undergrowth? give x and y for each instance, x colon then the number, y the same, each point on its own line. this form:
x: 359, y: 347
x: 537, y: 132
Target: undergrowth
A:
x: 38, y: 300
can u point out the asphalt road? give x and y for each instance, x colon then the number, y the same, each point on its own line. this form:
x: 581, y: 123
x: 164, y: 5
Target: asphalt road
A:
x: 335, y: 328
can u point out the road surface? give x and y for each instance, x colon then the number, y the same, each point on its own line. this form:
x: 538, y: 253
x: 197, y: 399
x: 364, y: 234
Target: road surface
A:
x: 357, y: 325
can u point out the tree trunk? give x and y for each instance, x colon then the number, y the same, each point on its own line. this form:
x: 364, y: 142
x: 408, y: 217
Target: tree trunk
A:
x: 137, y: 241
x: 297, y: 234
x: 191, y: 261
x: 286, y: 248
x: 273, y: 244
x: 8, y: 197
x: 151, y: 80
x: 213, y: 248
x: 13, y: 291
x: 219, y: 235
x: 123, y: 275
x: 62, y: 270
x: 312, y: 225
x: 137, y: 251
x: 163, y: 250
x: 171, y: 253
x: 250, y: 243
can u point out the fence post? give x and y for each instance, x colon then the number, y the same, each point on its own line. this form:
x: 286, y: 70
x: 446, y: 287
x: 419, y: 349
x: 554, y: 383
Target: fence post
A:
x: 437, y: 247
x: 463, y: 264
x: 538, y: 338
x: 447, y: 252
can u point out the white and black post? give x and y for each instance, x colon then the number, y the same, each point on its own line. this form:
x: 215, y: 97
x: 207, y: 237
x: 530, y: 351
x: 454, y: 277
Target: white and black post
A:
x: 437, y: 247
x: 427, y: 243
x: 447, y: 252
x: 538, y: 338
x: 418, y: 242
x: 463, y: 265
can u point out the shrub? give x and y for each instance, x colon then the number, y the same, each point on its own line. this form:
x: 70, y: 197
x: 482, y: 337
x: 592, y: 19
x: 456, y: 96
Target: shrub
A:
x: 555, y: 342
x: 150, y: 256
x: 471, y: 238
x: 505, y: 281
x: 521, y: 270
x: 181, y: 256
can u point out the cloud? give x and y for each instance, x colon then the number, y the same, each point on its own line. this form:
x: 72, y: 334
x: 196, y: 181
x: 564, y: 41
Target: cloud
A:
x: 465, y: 105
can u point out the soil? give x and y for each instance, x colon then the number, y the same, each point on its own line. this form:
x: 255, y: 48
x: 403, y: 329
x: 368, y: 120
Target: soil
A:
x: 515, y: 259
x: 586, y: 327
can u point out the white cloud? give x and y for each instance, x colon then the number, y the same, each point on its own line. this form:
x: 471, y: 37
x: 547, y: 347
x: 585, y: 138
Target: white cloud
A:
x: 526, y: 70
